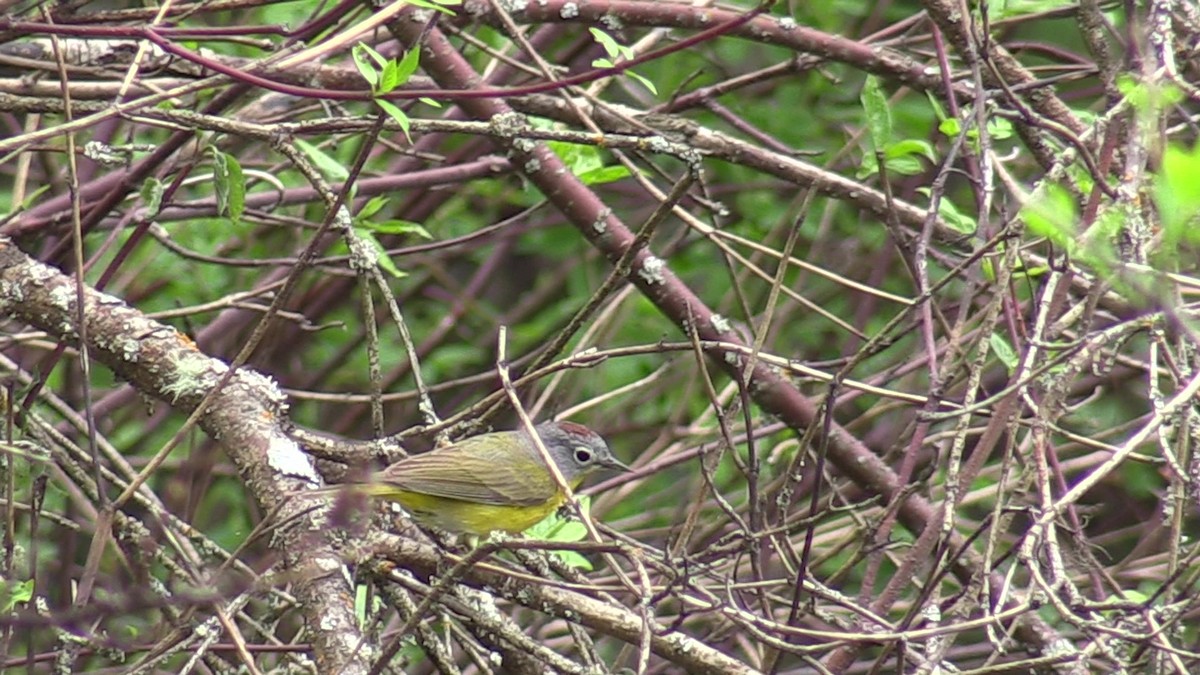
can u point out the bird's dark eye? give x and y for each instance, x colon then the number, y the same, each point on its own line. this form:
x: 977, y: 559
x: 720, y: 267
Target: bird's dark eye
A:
x: 583, y: 455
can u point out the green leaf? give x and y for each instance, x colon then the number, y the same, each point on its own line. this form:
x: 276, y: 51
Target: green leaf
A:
x: 397, y: 226
x: 910, y: 147
x: 1003, y: 351
x: 989, y: 269
x: 152, y: 194
x: 1177, y: 194
x: 1051, y: 213
x: 408, y: 65
x: 645, y: 83
x: 389, y: 78
x: 569, y: 530
x: 371, y: 207
x: 579, y: 158
x: 237, y: 190
x: 384, y: 261
x: 327, y: 165
x: 231, y: 185
x: 905, y: 166
x: 1148, y: 98
x: 436, y: 5
x: 879, y: 116
x: 1098, y: 243
x: 607, y: 42
x: 1081, y: 177
x: 934, y: 103
x: 1012, y: 8
x: 869, y: 166
x: 396, y: 114
x: 30, y: 199
x: 13, y: 593
x: 573, y: 559
x: 361, y: 594
x: 587, y: 163
x: 1001, y: 128
x: 369, y: 72
x: 556, y: 528
x: 605, y: 174
x: 954, y: 219
x: 379, y: 59
x: 1029, y: 272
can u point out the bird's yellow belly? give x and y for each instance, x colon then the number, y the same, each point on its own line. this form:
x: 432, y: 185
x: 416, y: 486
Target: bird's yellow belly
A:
x: 458, y: 516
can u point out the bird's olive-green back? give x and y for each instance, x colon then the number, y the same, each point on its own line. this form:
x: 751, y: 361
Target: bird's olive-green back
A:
x: 493, y: 468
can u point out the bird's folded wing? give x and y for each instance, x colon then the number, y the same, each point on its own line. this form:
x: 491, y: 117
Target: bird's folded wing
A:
x: 474, y: 474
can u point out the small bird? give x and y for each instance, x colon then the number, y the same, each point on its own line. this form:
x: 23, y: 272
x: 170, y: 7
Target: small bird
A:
x: 493, y: 482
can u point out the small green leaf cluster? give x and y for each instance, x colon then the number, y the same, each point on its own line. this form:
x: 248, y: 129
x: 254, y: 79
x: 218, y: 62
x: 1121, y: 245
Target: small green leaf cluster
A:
x: 586, y: 163
x: 617, y: 53
x: 899, y: 157
x: 385, y: 75
x: 363, y: 223
x: 367, y: 229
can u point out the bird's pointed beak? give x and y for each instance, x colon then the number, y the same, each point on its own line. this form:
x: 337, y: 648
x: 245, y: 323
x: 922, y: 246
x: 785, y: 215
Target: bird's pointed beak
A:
x: 617, y: 465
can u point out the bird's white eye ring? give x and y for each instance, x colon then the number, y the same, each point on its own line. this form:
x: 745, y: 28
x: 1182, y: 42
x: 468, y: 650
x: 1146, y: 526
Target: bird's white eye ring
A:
x: 583, y: 455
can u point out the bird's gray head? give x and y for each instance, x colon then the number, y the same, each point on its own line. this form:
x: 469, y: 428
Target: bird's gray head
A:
x: 577, y: 450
